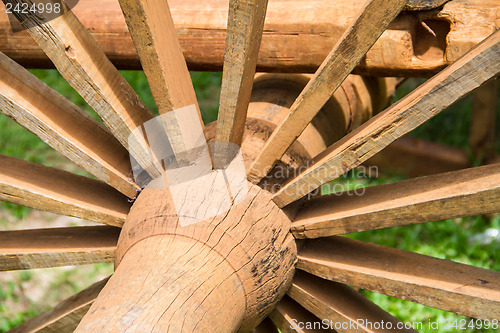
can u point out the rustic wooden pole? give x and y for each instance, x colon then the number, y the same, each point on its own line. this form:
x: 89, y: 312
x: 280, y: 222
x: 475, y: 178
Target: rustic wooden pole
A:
x: 298, y: 35
x: 224, y: 274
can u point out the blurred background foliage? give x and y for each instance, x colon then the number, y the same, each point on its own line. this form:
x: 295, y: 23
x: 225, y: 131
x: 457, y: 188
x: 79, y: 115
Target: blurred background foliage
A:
x: 24, y: 294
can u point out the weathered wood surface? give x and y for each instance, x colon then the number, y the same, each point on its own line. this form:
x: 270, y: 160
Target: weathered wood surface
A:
x: 61, y: 192
x: 443, y: 284
x: 241, y: 261
x: 155, y: 39
x: 297, y: 36
x: 455, y: 194
x: 371, y: 21
x: 63, y: 126
x: 84, y: 65
x: 424, y: 4
x: 243, y: 37
x: 54, y: 247
x: 211, y: 297
x: 288, y: 314
x: 346, y: 309
x: 65, y: 316
x: 477, y: 66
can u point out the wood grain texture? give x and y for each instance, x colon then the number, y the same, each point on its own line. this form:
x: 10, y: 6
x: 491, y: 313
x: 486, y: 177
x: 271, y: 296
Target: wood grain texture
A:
x: 455, y: 194
x: 243, y: 37
x: 373, y: 19
x: 209, y: 284
x: 63, y: 126
x: 155, y: 38
x: 443, y: 284
x: 54, y: 247
x: 241, y: 261
x: 288, y: 314
x: 482, y: 129
x: 436, y: 94
x: 298, y: 35
x: 66, y: 315
x: 84, y: 65
x: 61, y: 192
x: 346, y: 309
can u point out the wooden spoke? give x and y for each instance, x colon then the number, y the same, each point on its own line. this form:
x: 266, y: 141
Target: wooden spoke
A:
x: 439, y: 92
x: 346, y: 309
x: 66, y: 315
x: 455, y: 194
x: 352, y: 46
x: 443, y: 284
x: 62, y: 125
x: 288, y: 314
x: 266, y: 326
x: 155, y: 38
x: 61, y: 192
x: 54, y: 247
x: 87, y: 69
x: 243, y: 37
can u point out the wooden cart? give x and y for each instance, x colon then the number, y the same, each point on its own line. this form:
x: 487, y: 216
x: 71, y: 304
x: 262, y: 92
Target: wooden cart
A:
x: 275, y: 258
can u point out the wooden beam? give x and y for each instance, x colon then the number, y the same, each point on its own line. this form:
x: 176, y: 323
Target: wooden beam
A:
x: 288, y: 314
x: 443, y: 284
x: 346, y: 309
x: 66, y: 315
x: 298, y: 35
x: 61, y: 192
x: 370, y: 23
x: 63, y: 126
x: 477, y: 66
x: 54, y: 247
x: 455, y: 194
x: 84, y: 65
x: 243, y: 37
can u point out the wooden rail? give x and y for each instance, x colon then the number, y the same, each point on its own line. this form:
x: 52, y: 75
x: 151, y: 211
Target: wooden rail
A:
x: 298, y: 34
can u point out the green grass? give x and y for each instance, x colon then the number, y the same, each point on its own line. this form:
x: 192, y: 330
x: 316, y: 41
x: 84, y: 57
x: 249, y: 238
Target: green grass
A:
x: 451, y: 239
x: 28, y: 293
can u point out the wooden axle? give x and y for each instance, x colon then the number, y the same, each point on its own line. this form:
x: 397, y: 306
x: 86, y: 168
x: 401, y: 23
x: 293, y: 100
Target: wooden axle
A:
x: 227, y: 273
x: 220, y: 275
x: 297, y: 35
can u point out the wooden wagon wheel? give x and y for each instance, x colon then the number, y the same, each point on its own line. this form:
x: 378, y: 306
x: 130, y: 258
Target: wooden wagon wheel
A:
x: 230, y: 272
